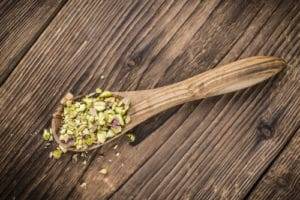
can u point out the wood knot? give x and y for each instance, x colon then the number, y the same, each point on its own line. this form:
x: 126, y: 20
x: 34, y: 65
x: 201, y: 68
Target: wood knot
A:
x: 139, y: 56
x: 133, y: 61
x: 265, y: 130
x: 266, y: 127
x: 130, y: 63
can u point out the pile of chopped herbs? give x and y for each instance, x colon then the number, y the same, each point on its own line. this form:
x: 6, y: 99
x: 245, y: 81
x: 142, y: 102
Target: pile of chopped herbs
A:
x: 93, y: 119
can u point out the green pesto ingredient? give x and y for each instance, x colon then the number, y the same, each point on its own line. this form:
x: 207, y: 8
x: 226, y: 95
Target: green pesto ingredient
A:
x: 56, y: 153
x: 47, y: 135
x: 131, y: 137
x: 93, y: 119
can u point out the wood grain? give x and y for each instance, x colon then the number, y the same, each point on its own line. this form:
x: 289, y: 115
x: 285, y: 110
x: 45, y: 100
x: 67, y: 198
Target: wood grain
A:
x: 215, y: 149
x: 21, y: 23
x: 282, y: 181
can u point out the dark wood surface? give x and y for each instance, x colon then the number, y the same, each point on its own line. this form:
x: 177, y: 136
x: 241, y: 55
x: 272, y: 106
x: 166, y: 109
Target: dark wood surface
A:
x: 235, y: 146
x: 21, y: 23
x: 282, y: 180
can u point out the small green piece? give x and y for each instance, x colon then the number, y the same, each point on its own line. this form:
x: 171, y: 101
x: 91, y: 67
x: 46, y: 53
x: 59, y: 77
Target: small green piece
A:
x: 47, y: 135
x: 110, y: 134
x: 98, y: 91
x: 109, y: 117
x: 127, y: 119
x: 101, y: 118
x: 92, y: 119
x: 79, y: 143
x: 56, y: 153
x: 81, y: 108
x: 106, y: 94
x: 89, y: 140
x: 119, y: 118
x: 116, y: 129
x: 99, y: 106
x: 101, y: 137
x: 131, y: 137
x: 120, y: 110
x: 88, y: 101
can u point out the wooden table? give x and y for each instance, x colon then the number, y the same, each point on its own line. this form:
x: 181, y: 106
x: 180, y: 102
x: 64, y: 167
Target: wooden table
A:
x: 241, y: 145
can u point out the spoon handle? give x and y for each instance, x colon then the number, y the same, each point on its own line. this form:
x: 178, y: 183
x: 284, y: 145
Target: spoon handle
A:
x: 234, y: 76
x: 224, y: 79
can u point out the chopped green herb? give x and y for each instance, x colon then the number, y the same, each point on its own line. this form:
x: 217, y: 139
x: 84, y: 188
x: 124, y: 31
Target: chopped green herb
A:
x: 110, y: 134
x: 56, y: 153
x: 99, y: 105
x: 127, y: 119
x: 131, y: 137
x: 98, y: 90
x: 93, y: 119
x: 47, y: 135
x: 101, y: 137
x: 106, y: 94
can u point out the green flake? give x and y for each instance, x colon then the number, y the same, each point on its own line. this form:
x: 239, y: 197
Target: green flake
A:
x: 131, y: 137
x: 47, y: 135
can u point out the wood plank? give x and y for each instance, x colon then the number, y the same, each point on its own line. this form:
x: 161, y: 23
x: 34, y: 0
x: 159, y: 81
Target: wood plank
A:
x: 121, y: 15
x: 21, y: 24
x: 139, y: 187
x: 282, y: 181
x: 219, y: 146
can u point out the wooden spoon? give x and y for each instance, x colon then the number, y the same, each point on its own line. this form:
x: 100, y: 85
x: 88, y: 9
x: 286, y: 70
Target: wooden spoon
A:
x: 224, y: 79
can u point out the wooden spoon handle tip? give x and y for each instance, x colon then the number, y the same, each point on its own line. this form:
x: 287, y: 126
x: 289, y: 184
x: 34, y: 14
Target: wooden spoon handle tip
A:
x: 234, y: 76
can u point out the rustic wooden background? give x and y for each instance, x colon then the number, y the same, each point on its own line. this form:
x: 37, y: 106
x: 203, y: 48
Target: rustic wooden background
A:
x: 241, y: 145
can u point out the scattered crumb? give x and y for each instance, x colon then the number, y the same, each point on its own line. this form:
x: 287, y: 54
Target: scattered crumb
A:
x: 122, y: 164
x: 102, y: 77
x: 131, y: 137
x: 47, y: 145
x: 116, y: 146
x: 75, y: 158
x: 83, y: 185
x: 117, y: 154
x: 103, y: 171
x: 63, y: 149
x: 57, y: 153
x: 84, y: 162
x: 109, y: 160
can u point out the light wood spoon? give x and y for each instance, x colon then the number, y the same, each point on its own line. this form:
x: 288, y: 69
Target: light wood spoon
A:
x: 224, y: 79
